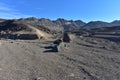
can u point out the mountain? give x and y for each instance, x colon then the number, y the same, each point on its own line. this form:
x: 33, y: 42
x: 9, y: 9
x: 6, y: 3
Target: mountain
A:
x: 11, y: 25
x: 80, y: 23
x: 96, y: 24
x: 115, y: 23
x: 16, y: 29
x: 69, y: 24
x: 60, y: 25
x: 107, y: 29
x: 1, y: 20
x: 43, y: 22
x: 55, y: 25
x: 100, y: 24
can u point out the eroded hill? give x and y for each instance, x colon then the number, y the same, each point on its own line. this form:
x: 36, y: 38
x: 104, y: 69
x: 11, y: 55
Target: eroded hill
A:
x: 13, y: 29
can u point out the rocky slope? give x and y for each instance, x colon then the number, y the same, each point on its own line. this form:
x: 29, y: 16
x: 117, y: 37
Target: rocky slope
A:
x: 1, y: 20
x: 69, y: 24
x: 14, y: 29
x: 60, y: 25
x: 107, y: 29
x: 100, y: 24
x: 43, y: 22
x: 55, y: 25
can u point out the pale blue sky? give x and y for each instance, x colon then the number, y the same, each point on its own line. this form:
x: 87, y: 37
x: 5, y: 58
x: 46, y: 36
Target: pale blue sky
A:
x: 86, y: 10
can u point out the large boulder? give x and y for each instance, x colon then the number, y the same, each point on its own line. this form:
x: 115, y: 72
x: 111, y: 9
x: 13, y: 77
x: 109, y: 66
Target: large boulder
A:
x: 66, y: 38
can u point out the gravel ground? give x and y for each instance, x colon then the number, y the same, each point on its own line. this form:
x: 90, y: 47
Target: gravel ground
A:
x: 88, y: 59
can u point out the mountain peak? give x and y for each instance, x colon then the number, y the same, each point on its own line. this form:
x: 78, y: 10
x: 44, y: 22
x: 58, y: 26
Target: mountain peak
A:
x: 61, y: 23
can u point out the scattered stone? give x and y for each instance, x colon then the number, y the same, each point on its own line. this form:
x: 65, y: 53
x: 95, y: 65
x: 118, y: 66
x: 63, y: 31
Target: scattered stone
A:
x: 72, y: 75
x: 40, y: 78
x: 11, y: 42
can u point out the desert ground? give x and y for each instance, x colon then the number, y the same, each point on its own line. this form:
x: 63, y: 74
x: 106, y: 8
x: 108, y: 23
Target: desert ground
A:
x: 89, y: 58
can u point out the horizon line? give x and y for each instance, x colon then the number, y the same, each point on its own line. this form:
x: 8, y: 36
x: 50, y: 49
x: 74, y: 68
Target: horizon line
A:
x: 62, y: 18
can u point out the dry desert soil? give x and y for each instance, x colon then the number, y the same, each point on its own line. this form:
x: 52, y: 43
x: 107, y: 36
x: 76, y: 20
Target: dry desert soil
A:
x: 82, y: 59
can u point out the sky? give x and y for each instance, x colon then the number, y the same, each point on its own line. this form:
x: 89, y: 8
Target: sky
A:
x: 85, y: 10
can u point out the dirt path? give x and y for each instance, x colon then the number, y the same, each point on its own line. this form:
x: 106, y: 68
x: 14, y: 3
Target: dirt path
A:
x: 40, y: 33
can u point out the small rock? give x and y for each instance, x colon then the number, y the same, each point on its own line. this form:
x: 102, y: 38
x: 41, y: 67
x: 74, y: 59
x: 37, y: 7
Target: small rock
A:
x: 11, y: 42
x: 72, y: 75
x: 40, y: 78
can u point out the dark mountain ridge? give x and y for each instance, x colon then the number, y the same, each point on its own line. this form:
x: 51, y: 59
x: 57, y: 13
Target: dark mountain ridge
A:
x: 100, y: 24
x: 60, y: 24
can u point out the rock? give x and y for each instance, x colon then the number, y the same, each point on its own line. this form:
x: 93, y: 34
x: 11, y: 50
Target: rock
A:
x: 40, y: 78
x: 66, y: 38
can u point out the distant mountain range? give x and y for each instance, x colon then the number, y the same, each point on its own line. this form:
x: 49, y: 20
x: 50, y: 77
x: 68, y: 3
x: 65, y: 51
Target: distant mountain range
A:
x: 100, y: 24
x: 62, y: 24
x: 55, y: 25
